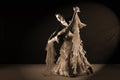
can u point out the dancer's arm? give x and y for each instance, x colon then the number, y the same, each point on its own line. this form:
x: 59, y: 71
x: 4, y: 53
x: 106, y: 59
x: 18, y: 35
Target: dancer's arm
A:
x: 66, y: 29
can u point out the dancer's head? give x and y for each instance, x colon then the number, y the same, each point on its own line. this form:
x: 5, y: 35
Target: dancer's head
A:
x: 77, y: 9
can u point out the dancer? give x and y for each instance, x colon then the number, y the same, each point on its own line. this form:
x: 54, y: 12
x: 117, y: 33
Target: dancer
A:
x: 50, y: 47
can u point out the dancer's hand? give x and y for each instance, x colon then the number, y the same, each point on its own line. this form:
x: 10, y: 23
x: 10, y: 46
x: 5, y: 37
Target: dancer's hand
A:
x: 56, y: 39
x: 53, y: 40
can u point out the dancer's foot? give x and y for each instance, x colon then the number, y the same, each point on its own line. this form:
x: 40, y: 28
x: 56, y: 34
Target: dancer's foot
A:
x: 66, y: 74
x: 75, y: 72
x: 54, y: 72
x: 90, y: 70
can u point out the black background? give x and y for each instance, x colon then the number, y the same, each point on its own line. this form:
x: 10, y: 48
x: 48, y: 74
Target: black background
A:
x: 20, y: 22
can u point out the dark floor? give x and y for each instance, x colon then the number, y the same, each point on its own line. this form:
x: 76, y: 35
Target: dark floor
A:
x: 39, y: 72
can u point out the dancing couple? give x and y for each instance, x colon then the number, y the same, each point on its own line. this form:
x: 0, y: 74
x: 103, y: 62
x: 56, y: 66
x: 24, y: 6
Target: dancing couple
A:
x: 66, y: 42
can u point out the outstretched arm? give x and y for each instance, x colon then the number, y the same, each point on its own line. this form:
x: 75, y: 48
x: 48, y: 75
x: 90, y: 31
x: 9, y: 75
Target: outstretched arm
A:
x: 61, y: 19
x: 66, y: 29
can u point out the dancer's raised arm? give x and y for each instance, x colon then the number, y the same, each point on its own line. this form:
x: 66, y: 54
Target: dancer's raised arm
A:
x: 66, y: 29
